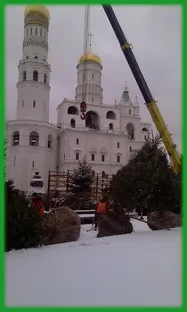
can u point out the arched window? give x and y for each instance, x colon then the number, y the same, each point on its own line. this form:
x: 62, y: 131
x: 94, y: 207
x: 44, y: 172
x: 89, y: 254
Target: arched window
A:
x: 110, y: 115
x: 36, y: 31
x: 103, y: 174
x: 72, y: 110
x: 146, y: 133
x: 130, y: 131
x: 77, y: 156
x: 92, y: 120
x: 34, y: 138
x: 45, y: 78
x: 129, y: 111
x: 145, y: 130
x: 40, y: 31
x: 35, y: 75
x: 72, y: 123
x: 49, y: 141
x: 93, y: 173
x: 31, y: 31
x: 24, y: 75
x: 111, y: 126
x: 15, y: 138
x: 130, y: 149
x: 118, y: 145
x: 14, y: 163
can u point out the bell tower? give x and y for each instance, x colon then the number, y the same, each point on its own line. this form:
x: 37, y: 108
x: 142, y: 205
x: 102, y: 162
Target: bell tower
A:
x: 89, y: 70
x: 34, y: 71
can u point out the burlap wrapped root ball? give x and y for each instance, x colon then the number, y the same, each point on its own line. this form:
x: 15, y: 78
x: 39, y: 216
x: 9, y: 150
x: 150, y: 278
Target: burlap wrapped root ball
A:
x: 159, y: 220
x: 62, y: 225
x: 108, y: 226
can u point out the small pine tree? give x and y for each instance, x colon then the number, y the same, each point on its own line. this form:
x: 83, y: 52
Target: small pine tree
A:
x: 82, y: 178
x: 148, y: 183
x: 24, y: 225
x: 80, y: 186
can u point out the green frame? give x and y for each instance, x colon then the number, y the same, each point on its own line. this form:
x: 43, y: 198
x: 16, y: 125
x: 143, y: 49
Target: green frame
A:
x: 4, y: 3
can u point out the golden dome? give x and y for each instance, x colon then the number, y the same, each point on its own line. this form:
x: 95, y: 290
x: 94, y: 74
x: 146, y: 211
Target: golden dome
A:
x: 90, y: 57
x: 37, y: 9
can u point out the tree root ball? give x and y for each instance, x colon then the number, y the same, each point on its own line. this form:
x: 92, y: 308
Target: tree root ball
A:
x: 107, y: 226
x: 62, y: 225
x: 159, y: 220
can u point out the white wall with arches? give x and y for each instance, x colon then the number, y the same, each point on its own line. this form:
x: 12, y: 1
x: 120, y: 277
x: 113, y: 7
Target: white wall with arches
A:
x: 102, y: 116
x: 30, y: 147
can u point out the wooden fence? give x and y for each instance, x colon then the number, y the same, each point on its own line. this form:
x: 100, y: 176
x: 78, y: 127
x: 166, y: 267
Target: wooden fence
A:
x: 61, y: 181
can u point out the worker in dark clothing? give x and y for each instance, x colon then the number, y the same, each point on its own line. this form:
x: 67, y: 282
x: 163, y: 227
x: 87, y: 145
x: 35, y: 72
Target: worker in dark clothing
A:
x: 101, y: 208
x: 37, y: 203
x: 55, y: 198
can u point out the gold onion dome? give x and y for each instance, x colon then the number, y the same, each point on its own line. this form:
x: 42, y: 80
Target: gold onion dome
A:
x: 37, y: 10
x: 89, y: 57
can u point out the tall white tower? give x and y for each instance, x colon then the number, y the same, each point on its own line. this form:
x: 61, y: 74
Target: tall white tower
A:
x: 89, y: 71
x: 31, y: 139
x: 34, y: 71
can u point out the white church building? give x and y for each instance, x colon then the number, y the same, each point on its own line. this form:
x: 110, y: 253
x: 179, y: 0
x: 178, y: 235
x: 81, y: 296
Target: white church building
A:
x: 108, y: 136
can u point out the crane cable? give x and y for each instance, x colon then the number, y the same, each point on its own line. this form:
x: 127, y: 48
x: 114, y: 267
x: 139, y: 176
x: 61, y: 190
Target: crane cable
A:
x: 85, y: 51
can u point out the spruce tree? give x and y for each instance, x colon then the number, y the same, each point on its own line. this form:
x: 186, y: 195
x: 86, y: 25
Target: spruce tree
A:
x: 81, y: 179
x: 148, y: 183
x: 80, y: 187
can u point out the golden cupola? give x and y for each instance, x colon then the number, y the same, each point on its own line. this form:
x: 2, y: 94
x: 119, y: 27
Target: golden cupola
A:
x: 40, y: 10
x: 89, y: 57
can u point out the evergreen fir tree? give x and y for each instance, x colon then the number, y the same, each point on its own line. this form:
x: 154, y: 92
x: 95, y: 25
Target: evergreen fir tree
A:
x: 81, y: 179
x: 24, y: 225
x: 80, y: 187
x: 148, y: 183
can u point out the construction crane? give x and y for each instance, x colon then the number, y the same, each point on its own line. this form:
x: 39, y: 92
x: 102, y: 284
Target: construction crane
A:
x: 149, y: 100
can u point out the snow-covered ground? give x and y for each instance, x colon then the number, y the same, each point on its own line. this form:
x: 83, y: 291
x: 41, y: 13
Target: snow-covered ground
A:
x: 139, y: 269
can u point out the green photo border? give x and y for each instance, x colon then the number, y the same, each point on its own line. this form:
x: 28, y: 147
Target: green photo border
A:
x: 4, y: 3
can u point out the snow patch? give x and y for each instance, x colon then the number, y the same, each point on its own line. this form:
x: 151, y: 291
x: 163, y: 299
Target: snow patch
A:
x: 139, y: 269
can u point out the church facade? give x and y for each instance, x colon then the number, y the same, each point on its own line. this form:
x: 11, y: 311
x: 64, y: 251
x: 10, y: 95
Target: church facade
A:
x: 107, y: 135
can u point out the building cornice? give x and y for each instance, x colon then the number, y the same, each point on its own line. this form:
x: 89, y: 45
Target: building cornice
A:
x: 33, y: 123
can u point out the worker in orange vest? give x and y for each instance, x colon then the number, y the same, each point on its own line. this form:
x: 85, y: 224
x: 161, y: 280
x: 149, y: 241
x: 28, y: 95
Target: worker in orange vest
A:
x: 37, y: 203
x: 101, y: 208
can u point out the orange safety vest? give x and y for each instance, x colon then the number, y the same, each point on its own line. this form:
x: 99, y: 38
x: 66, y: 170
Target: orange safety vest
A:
x: 39, y: 206
x: 101, y: 207
x: 42, y: 211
